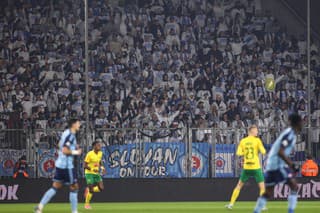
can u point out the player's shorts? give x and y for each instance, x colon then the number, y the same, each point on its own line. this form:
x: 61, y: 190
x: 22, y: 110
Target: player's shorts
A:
x: 66, y: 176
x: 93, y: 179
x: 278, y: 176
x: 257, y: 174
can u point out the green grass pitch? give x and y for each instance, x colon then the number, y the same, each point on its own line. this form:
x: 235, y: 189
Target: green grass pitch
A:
x: 181, y: 207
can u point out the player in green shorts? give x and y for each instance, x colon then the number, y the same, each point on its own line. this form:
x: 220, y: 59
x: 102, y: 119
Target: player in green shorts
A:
x: 93, y: 179
x: 249, y: 148
x: 92, y: 165
x: 257, y: 174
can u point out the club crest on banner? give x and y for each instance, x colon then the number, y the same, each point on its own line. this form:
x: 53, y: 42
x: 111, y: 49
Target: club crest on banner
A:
x: 199, y: 160
x: 8, y: 166
x: 220, y: 163
x: 47, y: 163
x: 224, y: 160
x: 197, y: 164
x: 8, y: 158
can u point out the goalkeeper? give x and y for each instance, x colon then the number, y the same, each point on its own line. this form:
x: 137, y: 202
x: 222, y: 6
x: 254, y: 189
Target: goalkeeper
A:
x: 93, y: 167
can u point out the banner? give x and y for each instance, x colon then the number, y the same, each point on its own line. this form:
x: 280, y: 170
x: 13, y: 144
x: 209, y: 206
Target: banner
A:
x: 8, y: 158
x: 46, y: 162
x: 200, y: 160
x: 164, y: 160
x: 156, y: 160
x: 224, y: 160
x: 153, y: 160
x: 306, y: 190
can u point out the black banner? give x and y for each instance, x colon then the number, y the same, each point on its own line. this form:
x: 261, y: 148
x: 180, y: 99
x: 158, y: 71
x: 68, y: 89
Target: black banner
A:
x: 157, y: 190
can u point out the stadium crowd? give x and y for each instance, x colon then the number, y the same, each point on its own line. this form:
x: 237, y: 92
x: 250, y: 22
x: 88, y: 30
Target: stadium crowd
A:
x: 168, y: 63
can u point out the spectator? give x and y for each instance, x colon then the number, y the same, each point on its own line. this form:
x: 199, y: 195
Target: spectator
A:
x: 309, y: 167
x: 21, y: 168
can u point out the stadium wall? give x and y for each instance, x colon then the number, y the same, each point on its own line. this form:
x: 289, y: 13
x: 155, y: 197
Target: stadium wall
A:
x: 300, y: 8
x: 156, y: 190
x: 286, y: 18
x: 292, y: 14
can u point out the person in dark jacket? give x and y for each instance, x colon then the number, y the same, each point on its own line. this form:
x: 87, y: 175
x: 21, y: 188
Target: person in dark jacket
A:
x: 20, y: 168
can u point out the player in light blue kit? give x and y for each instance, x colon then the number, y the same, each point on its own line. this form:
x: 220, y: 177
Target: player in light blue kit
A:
x: 280, y: 169
x: 65, y: 170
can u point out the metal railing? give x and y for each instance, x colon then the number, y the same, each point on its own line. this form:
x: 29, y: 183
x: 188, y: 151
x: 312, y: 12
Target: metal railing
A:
x: 147, y: 153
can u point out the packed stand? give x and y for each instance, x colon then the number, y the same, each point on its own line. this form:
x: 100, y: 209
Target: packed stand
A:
x: 161, y: 64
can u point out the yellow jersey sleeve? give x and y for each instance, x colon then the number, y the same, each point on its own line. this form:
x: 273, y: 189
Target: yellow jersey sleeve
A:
x: 261, y: 148
x: 87, y: 158
x: 240, y: 149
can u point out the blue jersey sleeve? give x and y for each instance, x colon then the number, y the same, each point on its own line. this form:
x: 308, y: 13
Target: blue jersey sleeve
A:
x: 66, y: 140
x: 287, y: 140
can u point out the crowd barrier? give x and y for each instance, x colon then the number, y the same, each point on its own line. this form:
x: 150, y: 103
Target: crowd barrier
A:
x: 148, y: 153
x: 152, y: 160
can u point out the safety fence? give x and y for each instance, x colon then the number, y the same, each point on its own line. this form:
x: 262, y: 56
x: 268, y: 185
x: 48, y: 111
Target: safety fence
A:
x: 146, y: 153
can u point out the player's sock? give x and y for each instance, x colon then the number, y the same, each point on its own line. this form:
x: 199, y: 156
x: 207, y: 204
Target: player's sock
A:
x: 73, y: 196
x: 292, y: 201
x: 261, y: 203
x: 96, y: 189
x: 47, y: 197
x: 235, y: 195
x: 88, y: 198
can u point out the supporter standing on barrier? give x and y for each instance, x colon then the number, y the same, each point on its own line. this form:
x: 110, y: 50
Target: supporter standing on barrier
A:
x: 279, y: 168
x: 66, y: 173
x: 249, y: 148
x: 93, y: 165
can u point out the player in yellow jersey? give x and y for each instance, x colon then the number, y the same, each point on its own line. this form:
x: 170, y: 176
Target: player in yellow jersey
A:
x: 249, y: 148
x: 93, y: 166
